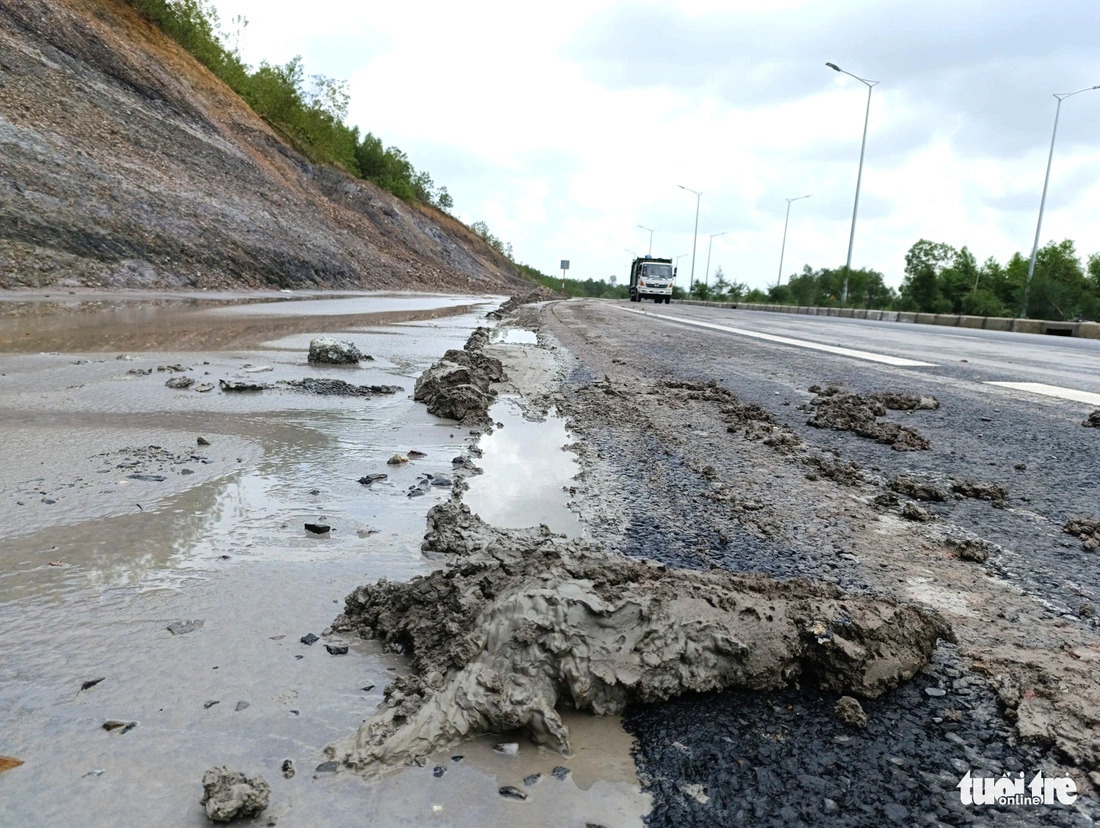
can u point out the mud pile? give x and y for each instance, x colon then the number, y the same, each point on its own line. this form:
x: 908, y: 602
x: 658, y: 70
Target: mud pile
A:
x: 1093, y: 421
x: 1088, y: 531
x: 459, y: 386
x: 525, y: 622
x: 839, y: 410
x: 997, y: 495
x: 338, y: 388
x: 539, y: 294
x: 911, y: 487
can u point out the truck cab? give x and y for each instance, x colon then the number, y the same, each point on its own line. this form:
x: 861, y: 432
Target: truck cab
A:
x: 651, y: 278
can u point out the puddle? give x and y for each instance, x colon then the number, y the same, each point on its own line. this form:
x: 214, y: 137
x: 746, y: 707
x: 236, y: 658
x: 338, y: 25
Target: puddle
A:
x: 527, y: 473
x: 517, y: 336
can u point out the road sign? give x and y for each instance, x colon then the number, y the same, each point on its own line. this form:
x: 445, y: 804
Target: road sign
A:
x: 564, y: 264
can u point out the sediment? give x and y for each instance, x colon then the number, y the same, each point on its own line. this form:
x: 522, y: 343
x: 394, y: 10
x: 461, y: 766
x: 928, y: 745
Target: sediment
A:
x: 522, y: 623
x: 459, y: 386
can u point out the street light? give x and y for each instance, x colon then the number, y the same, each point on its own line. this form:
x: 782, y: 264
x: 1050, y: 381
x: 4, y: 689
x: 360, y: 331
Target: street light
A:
x: 650, y: 239
x: 1042, y: 203
x: 783, y: 247
x: 870, y: 84
x: 713, y: 236
x: 694, y: 241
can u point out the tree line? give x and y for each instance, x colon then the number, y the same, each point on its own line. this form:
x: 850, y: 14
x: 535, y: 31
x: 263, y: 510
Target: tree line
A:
x: 311, y: 113
x: 941, y: 279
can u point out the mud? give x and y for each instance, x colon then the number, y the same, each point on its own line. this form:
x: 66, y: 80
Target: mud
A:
x: 460, y: 385
x: 339, y: 388
x: 842, y: 411
x: 1093, y: 420
x: 1086, y: 530
x: 918, y: 490
x: 229, y: 794
x: 514, y: 303
x: 525, y: 622
x: 994, y: 493
x: 846, y: 473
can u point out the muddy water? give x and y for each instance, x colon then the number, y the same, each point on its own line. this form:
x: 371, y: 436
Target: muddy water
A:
x: 90, y: 581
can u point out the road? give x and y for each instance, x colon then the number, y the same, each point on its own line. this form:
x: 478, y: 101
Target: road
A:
x: 696, y: 434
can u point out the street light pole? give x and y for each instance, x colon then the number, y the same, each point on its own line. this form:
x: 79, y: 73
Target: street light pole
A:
x: 695, y: 239
x: 706, y: 277
x: 783, y: 247
x: 650, y: 239
x: 1042, y: 203
x: 870, y: 84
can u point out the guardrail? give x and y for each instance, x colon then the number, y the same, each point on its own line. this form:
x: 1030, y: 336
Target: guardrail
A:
x: 1085, y: 330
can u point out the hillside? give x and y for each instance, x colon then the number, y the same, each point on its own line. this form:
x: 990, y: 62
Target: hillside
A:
x: 125, y: 163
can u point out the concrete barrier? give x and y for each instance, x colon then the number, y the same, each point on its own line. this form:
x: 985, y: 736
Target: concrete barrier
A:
x: 1034, y: 326
x: 925, y: 318
x: 971, y: 321
x: 1089, y: 330
x: 906, y: 316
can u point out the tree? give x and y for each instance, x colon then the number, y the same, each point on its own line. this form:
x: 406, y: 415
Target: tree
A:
x: 701, y: 291
x: 721, y: 285
x: 921, y: 289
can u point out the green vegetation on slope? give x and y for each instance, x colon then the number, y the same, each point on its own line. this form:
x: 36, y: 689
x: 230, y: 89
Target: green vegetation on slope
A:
x: 312, y: 115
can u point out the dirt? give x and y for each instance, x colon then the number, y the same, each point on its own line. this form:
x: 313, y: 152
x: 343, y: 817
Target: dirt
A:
x: 1093, y: 420
x: 512, y: 306
x: 334, y: 387
x: 229, y: 794
x: 1086, y: 530
x: 524, y: 622
x: 842, y: 411
x: 128, y: 164
x: 918, y: 490
x: 978, y: 490
x: 460, y: 385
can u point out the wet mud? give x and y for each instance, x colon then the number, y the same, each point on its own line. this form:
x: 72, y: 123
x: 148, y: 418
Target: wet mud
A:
x: 460, y: 385
x: 839, y: 410
x: 522, y: 623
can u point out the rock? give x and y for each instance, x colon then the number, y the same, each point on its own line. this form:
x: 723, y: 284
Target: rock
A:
x: 318, y: 528
x: 560, y: 772
x: 851, y: 712
x: 242, y: 705
x: 337, y: 649
x: 935, y: 692
x: 531, y: 779
x: 397, y: 460
x: 241, y: 385
x: 911, y: 487
x: 365, y: 531
x: 1086, y: 530
x: 1020, y: 467
x: 210, y: 703
x: 367, y: 479
x: 141, y: 372
x: 512, y: 792
x: 366, y: 688
x: 975, y: 550
x: 328, y: 351
x: 413, y: 454
x: 441, y: 481
x: 327, y: 767
x: 438, y: 771
x: 229, y: 794
x: 1093, y: 420
x: 506, y: 748
x: 91, y: 683
x: 111, y: 725
x: 1086, y: 610
x: 202, y: 441
x: 830, y: 807
x: 309, y: 639
x: 288, y: 768
x: 184, y: 627
x: 180, y: 383
x: 203, y: 387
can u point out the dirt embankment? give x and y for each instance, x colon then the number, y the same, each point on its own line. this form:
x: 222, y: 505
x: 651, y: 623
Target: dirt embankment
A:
x: 126, y: 163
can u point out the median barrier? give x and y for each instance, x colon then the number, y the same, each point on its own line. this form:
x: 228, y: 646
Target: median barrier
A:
x: 950, y: 320
x: 1034, y: 326
x: 925, y: 319
x: 1089, y: 330
x: 906, y: 316
x: 998, y: 323
x: 970, y: 321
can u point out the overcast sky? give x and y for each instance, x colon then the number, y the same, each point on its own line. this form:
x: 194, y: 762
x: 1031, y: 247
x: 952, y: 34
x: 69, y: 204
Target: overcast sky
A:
x: 564, y: 125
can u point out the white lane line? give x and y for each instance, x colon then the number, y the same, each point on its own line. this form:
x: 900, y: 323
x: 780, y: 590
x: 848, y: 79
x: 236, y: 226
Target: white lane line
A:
x: 783, y: 340
x: 1050, y: 391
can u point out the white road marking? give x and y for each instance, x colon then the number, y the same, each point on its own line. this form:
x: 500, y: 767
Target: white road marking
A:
x: 783, y: 340
x: 1050, y: 391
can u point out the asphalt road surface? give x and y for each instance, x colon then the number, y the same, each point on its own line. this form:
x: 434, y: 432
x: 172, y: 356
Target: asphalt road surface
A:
x: 691, y: 479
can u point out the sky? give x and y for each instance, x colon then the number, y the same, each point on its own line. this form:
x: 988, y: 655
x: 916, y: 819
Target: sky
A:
x: 564, y: 126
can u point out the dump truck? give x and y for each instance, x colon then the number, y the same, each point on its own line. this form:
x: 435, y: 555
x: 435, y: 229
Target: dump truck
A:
x: 651, y: 278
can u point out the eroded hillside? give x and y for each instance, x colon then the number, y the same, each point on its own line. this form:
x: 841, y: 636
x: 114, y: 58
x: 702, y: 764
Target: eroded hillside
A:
x: 125, y: 163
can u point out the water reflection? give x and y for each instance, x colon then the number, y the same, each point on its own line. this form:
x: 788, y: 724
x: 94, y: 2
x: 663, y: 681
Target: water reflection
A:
x: 527, y: 473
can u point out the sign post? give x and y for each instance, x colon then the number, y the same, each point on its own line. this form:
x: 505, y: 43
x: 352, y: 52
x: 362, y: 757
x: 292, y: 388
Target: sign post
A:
x: 564, y: 267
